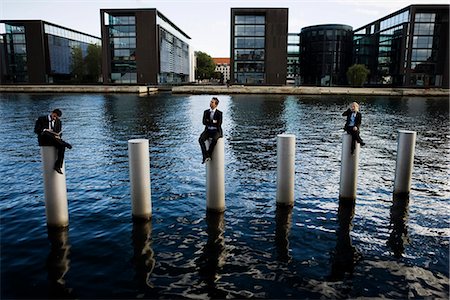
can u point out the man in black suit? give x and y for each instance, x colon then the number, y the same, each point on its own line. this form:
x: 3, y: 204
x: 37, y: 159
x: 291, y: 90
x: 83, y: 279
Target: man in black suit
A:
x: 49, y: 129
x: 212, y: 119
x: 353, y: 124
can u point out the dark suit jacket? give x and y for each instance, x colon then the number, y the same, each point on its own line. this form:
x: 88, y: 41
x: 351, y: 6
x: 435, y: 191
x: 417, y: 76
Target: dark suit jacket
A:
x: 348, y: 113
x: 43, y: 123
x: 207, y: 121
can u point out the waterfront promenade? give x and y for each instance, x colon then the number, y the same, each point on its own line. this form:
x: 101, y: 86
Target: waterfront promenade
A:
x: 223, y: 89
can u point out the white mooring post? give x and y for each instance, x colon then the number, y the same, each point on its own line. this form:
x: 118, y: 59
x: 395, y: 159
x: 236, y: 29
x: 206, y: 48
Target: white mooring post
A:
x: 405, y: 159
x: 215, y: 178
x: 139, y: 163
x: 285, y: 169
x: 54, y: 189
x: 349, y: 169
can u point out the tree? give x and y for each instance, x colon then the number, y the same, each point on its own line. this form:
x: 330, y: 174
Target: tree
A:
x: 77, y: 65
x: 205, y: 66
x: 357, y: 75
x: 93, y: 62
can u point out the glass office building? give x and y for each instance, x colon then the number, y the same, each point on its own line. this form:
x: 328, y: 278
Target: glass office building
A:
x: 408, y: 48
x: 142, y: 46
x: 325, y: 54
x: 35, y: 51
x: 258, y: 45
x: 293, y: 59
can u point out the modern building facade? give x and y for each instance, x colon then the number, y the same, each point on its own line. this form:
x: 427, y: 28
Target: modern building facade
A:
x: 408, y: 48
x: 39, y: 52
x: 142, y: 46
x: 293, y: 59
x: 258, y: 46
x: 223, y: 66
x: 325, y: 54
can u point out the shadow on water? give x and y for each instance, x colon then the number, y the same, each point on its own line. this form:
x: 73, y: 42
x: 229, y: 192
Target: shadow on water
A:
x: 283, y: 219
x: 143, y: 255
x: 345, y: 255
x: 58, y: 263
x: 398, y: 218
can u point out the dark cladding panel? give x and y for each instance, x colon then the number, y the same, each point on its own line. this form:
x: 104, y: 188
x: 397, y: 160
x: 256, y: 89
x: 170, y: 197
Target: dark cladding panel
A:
x: 147, y: 62
x: 34, y: 36
x: 276, y: 45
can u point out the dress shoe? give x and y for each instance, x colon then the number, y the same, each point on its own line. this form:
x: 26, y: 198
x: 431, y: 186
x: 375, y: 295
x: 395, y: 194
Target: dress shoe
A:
x: 58, y: 170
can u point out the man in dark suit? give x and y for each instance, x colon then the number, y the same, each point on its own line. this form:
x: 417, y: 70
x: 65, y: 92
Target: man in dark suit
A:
x: 353, y: 124
x: 49, y: 129
x: 212, y: 119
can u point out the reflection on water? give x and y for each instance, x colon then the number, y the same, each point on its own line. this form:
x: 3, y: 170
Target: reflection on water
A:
x: 345, y: 254
x: 399, y: 232
x: 283, y: 226
x: 213, y: 254
x: 143, y: 255
x: 58, y: 262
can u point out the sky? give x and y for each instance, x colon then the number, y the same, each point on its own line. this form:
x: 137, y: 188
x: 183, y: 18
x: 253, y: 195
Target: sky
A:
x: 207, y: 22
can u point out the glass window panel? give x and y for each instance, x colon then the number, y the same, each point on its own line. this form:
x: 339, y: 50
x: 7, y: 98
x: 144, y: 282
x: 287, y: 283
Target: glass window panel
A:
x: 421, y: 55
x: 423, y: 29
x: 422, y: 42
x: 425, y: 17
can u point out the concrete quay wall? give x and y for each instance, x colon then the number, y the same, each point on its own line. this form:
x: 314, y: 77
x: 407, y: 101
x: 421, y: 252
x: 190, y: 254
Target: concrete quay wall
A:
x: 222, y: 89
x: 77, y: 89
x: 303, y: 90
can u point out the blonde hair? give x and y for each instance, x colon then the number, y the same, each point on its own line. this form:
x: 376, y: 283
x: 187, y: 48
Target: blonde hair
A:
x: 356, y: 105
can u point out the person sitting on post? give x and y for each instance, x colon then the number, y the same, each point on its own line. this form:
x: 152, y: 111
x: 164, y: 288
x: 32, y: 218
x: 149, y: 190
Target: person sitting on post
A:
x: 212, y: 119
x: 49, y: 130
x: 353, y: 124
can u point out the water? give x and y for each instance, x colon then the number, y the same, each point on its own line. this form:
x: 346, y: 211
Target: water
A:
x: 378, y: 247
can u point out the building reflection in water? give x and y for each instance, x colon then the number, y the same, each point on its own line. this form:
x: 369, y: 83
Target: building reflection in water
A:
x: 213, y: 256
x: 143, y: 255
x: 345, y: 254
x: 399, y: 234
x: 283, y: 219
x: 58, y: 262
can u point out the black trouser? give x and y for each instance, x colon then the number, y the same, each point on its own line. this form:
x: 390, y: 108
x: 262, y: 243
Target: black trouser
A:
x: 214, y: 135
x: 60, y: 146
x: 355, y: 136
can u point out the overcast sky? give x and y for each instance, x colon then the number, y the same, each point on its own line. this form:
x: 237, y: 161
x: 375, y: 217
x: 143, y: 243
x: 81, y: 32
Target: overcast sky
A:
x: 207, y: 22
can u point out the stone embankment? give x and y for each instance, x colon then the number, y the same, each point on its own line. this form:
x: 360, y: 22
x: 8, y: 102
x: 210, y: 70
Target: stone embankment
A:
x: 303, y: 90
x: 77, y: 89
x: 222, y: 89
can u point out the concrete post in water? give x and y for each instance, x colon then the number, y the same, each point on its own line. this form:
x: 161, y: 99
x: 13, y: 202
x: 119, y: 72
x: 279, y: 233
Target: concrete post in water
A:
x: 285, y: 169
x: 349, y: 169
x: 405, y: 160
x: 139, y: 162
x: 215, y: 178
x: 54, y: 189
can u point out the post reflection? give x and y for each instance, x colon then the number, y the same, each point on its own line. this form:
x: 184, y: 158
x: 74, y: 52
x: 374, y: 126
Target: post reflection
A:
x: 283, y: 219
x: 143, y: 255
x: 399, y: 216
x: 213, y: 256
x: 345, y: 254
x: 58, y: 262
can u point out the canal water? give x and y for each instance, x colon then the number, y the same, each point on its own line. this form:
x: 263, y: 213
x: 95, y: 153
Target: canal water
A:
x: 322, y: 248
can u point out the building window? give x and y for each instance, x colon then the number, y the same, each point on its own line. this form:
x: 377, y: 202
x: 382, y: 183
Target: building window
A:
x: 249, y: 49
x: 122, y: 34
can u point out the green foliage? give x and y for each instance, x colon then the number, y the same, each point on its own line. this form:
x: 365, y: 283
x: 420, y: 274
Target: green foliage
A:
x: 205, y: 66
x: 77, y: 66
x: 86, y: 69
x: 357, y: 75
x: 93, y: 62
